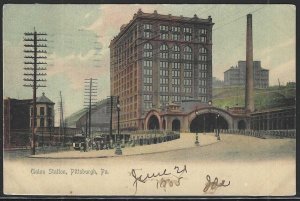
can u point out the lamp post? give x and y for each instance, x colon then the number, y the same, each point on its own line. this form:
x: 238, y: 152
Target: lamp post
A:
x: 197, y: 141
x: 204, y: 124
x: 118, y: 148
x: 217, y: 127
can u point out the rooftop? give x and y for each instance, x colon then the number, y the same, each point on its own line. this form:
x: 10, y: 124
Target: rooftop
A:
x: 155, y: 15
x: 44, y: 99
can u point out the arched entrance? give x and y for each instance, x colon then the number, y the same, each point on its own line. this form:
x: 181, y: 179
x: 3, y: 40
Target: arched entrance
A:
x: 241, y: 125
x: 208, y: 122
x: 153, y: 123
x: 176, y: 125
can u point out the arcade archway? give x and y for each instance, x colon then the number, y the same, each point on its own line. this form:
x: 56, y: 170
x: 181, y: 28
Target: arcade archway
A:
x: 153, y: 123
x: 208, y: 122
x: 175, y: 125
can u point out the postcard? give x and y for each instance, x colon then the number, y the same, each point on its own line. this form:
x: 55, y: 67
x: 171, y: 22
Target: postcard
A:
x: 149, y: 99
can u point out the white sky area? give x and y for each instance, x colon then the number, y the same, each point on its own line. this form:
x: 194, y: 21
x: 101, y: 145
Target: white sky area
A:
x: 79, y: 36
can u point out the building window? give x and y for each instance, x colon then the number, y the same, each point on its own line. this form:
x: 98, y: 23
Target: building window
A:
x: 175, y: 29
x: 163, y: 27
x: 42, y: 122
x: 202, y: 50
x: 164, y: 73
x: 147, y: 87
x: 202, y: 74
x: 176, y: 73
x: 42, y: 111
x: 147, y: 105
x: 147, y: 63
x: 187, y: 53
x: 187, y: 30
x: 164, y: 81
x: 202, y: 67
x: 147, y: 26
x: 187, y: 38
x: 175, y: 65
x: 164, y: 51
x: 175, y: 81
x: 202, y: 57
x: 176, y: 52
x: 202, y: 90
x: 187, y: 89
x: 176, y: 89
x: 202, y: 31
x: 163, y: 47
x: 187, y: 74
x: 187, y: 66
x: 164, y: 55
x: 147, y: 50
x: 164, y: 98
x: 147, y: 34
x: 147, y: 97
x: 163, y: 88
x: 49, y: 111
x: 163, y: 64
x: 148, y: 72
x: 203, y: 39
x: 148, y: 80
x: 164, y: 36
x: 176, y: 98
x: 175, y: 36
x: 187, y: 82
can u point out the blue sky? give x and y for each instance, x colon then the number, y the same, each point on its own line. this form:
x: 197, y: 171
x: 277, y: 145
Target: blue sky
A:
x: 79, y: 36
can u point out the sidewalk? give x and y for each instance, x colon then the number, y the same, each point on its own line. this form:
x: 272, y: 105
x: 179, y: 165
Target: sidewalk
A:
x: 187, y: 140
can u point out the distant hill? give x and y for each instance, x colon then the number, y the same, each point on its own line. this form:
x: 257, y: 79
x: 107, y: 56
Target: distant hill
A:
x: 271, y: 97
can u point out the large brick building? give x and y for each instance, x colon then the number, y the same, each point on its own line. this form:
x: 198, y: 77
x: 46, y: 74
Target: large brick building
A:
x: 157, y: 60
x: 236, y: 76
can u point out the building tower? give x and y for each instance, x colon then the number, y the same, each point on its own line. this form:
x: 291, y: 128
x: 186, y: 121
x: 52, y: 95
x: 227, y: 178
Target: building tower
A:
x: 160, y: 59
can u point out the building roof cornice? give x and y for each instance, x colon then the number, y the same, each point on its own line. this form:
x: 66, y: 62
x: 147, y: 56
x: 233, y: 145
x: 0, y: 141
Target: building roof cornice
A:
x: 156, y: 16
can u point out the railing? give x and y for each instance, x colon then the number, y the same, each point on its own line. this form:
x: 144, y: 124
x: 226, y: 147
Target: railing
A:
x: 147, y: 140
x: 262, y: 133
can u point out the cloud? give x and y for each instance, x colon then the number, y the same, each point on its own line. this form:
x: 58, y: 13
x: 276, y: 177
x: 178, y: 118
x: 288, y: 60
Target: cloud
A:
x: 76, y: 67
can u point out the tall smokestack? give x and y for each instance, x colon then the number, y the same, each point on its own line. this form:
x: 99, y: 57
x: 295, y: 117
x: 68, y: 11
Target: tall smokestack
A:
x: 249, y: 92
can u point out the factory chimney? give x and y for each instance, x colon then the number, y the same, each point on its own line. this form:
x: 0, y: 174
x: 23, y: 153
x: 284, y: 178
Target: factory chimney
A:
x: 249, y: 91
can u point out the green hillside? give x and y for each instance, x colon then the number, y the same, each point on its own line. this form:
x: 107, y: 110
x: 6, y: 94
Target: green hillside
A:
x: 264, y: 98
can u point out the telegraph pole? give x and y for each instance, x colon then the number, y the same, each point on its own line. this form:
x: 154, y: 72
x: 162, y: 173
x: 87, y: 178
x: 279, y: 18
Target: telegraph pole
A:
x: 90, y: 101
x: 62, y: 122
x: 32, y: 51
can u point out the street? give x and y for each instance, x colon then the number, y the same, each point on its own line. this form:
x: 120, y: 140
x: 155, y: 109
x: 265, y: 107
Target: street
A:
x: 252, y: 165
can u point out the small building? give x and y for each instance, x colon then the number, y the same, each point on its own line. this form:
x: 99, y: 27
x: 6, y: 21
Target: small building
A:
x: 44, y: 112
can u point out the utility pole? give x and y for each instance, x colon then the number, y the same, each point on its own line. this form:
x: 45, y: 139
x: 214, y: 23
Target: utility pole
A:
x: 90, y: 93
x: 111, y: 104
x: 32, y: 50
x: 61, y: 121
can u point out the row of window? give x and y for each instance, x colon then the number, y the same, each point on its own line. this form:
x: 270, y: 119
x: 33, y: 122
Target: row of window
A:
x: 175, y: 48
x: 148, y: 26
x: 174, y: 37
